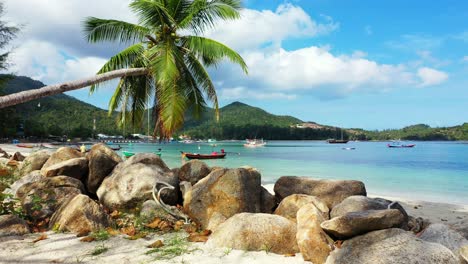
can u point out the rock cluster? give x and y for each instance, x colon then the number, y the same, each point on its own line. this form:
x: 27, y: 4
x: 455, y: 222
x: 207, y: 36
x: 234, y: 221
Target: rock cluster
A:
x: 327, y: 221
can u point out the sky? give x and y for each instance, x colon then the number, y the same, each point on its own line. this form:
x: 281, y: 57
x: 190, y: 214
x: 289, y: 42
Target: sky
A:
x: 355, y: 63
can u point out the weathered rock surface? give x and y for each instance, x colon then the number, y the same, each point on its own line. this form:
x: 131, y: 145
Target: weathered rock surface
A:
x: 185, y: 187
x: 267, y: 201
x: 256, y: 232
x: 75, y: 168
x: 332, y: 192
x: 390, y: 246
x: 357, y: 203
x: 290, y: 205
x: 12, y: 225
x: 357, y: 223
x: 40, y: 199
x: 314, y: 244
x: 193, y: 171
x: 222, y: 194
x: 150, y: 210
x: 18, y: 156
x: 132, y: 181
x: 464, y: 255
x: 444, y: 235
x: 102, y: 160
x: 80, y: 215
x: 417, y: 224
x: 29, y: 178
x: 62, y: 154
x: 34, y: 161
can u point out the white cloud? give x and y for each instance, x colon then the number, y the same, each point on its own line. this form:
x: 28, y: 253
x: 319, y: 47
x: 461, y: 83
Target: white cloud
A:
x: 431, y: 77
x: 241, y: 92
x: 43, y: 61
x: 60, y: 22
x: 465, y: 59
x: 257, y: 28
x: 368, y: 30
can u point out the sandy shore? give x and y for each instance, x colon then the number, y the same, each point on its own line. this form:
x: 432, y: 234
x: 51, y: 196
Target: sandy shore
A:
x: 66, y: 248
x: 11, y: 148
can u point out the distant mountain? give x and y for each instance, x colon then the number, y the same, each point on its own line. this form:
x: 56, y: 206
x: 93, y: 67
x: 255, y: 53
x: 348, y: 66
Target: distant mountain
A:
x: 240, y: 114
x: 54, y: 115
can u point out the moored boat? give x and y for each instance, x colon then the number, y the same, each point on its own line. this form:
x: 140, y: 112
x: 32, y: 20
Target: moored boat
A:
x: 253, y: 143
x: 128, y: 154
x: 25, y: 146
x: 214, y: 155
x: 337, y: 141
x: 401, y: 145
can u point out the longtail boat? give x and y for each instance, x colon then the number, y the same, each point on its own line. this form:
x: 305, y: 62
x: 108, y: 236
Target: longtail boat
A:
x: 213, y: 155
x: 128, y: 154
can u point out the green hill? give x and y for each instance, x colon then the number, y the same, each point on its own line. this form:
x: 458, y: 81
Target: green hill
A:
x: 54, y: 115
x: 240, y: 114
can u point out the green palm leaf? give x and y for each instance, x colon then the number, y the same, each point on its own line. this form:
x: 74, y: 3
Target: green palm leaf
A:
x: 101, y: 30
x: 202, y: 14
x: 212, y: 52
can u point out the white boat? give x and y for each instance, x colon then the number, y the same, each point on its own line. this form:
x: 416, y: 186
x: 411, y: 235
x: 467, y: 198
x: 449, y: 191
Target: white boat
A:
x: 254, y: 143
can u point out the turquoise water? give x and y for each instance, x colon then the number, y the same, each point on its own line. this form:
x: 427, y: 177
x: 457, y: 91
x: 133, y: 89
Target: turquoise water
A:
x: 432, y: 171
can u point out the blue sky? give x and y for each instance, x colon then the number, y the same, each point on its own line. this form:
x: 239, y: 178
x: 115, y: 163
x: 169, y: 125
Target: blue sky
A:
x: 368, y: 64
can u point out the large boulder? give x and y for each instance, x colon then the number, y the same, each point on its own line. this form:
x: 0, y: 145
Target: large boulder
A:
x: 80, y: 215
x: 358, y: 203
x: 390, y: 246
x: 290, y: 205
x: 444, y: 235
x: 357, y: 223
x: 102, y: 160
x: 332, y: 192
x: 32, y: 176
x: 34, y: 161
x: 12, y: 225
x: 267, y: 201
x: 193, y: 171
x: 256, y: 232
x: 222, y: 194
x: 464, y: 255
x: 76, y: 168
x: 62, y: 154
x: 315, y: 245
x: 41, y: 199
x: 132, y: 181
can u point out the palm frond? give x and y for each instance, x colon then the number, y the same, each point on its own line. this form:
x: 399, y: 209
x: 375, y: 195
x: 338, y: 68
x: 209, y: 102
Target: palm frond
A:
x: 212, y: 51
x: 202, y: 14
x: 203, y: 80
x: 152, y: 13
x: 100, y: 30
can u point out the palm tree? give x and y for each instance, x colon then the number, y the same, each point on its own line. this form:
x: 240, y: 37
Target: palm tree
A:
x: 161, y: 64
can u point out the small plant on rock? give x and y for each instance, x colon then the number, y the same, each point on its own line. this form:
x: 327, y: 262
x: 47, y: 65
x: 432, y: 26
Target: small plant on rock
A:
x: 99, y: 249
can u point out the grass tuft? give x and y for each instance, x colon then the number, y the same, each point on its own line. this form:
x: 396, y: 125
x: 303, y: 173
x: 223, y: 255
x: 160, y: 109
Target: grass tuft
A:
x: 173, y: 247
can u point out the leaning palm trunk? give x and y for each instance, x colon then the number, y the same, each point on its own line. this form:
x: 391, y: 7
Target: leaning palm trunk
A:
x: 26, y: 96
